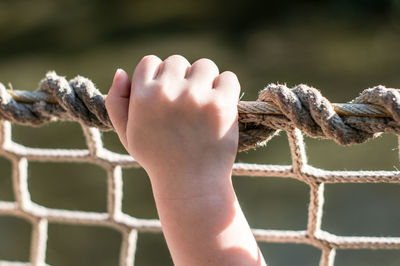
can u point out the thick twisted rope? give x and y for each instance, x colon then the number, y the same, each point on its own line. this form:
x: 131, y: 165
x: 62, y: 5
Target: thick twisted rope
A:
x: 376, y: 110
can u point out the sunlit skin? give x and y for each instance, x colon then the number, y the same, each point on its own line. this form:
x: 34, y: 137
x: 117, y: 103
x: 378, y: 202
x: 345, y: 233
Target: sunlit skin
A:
x: 179, y: 121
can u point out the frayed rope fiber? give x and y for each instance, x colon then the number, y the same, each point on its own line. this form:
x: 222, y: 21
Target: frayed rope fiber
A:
x: 302, y: 107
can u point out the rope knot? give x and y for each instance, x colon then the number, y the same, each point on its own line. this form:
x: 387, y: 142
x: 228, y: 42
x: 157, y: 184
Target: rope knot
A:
x: 76, y: 100
x: 305, y: 108
x: 79, y: 98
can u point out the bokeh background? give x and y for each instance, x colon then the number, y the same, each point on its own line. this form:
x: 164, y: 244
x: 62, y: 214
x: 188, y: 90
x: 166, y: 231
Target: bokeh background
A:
x: 338, y: 46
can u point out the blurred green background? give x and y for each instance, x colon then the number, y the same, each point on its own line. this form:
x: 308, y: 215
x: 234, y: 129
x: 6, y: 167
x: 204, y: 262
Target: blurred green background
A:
x: 338, y: 46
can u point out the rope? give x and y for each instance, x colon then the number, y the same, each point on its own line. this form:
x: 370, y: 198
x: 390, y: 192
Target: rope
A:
x: 375, y: 111
x: 244, y: 107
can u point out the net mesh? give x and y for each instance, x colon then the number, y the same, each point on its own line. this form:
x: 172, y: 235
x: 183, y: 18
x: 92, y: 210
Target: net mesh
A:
x: 39, y: 216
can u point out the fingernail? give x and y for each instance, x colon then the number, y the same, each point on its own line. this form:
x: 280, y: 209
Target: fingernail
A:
x: 117, y: 73
x: 117, y: 76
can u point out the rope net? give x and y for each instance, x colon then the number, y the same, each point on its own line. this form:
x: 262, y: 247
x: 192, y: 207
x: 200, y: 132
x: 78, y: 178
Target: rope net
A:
x: 129, y: 227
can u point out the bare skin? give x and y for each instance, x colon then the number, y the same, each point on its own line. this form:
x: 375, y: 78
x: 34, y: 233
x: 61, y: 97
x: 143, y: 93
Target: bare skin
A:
x: 179, y: 121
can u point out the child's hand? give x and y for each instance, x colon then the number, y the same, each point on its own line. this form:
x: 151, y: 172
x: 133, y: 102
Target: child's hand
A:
x: 179, y: 121
x: 176, y: 116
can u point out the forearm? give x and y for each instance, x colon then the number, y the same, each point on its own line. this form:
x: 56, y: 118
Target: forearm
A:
x: 203, y: 223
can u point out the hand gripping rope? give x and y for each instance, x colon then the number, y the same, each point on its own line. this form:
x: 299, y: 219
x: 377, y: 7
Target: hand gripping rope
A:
x: 376, y: 110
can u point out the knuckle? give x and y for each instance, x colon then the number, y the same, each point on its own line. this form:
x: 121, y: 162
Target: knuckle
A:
x: 229, y: 74
x: 148, y: 62
x: 176, y: 58
x: 230, y: 79
x: 205, y: 61
x: 205, y: 66
x: 149, y: 58
x: 208, y: 63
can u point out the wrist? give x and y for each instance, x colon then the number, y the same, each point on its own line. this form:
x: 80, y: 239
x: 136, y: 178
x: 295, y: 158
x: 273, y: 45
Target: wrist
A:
x: 187, y: 184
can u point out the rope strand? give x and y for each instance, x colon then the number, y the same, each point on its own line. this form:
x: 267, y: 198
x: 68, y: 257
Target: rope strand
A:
x: 244, y: 107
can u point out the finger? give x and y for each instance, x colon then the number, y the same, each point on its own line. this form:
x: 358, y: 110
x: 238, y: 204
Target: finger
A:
x: 146, y: 70
x: 227, y: 85
x: 117, y: 103
x: 174, y: 67
x: 203, y: 72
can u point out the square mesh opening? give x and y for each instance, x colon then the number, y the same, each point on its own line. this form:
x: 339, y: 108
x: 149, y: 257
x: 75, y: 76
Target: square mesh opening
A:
x: 273, y: 203
x: 276, y: 151
x: 6, y: 190
x: 290, y: 254
x: 362, y: 209
x: 381, y: 153
x: 15, y: 239
x: 138, y: 199
x: 82, y: 245
x: 367, y: 257
x: 74, y: 186
x: 53, y: 135
x: 112, y: 142
x: 152, y: 250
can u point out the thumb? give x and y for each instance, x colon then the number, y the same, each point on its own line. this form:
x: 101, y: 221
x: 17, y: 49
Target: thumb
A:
x: 117, y: 103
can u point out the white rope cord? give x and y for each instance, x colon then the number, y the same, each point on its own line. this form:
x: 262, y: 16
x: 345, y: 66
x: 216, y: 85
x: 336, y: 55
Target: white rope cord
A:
x: 39, y: 216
